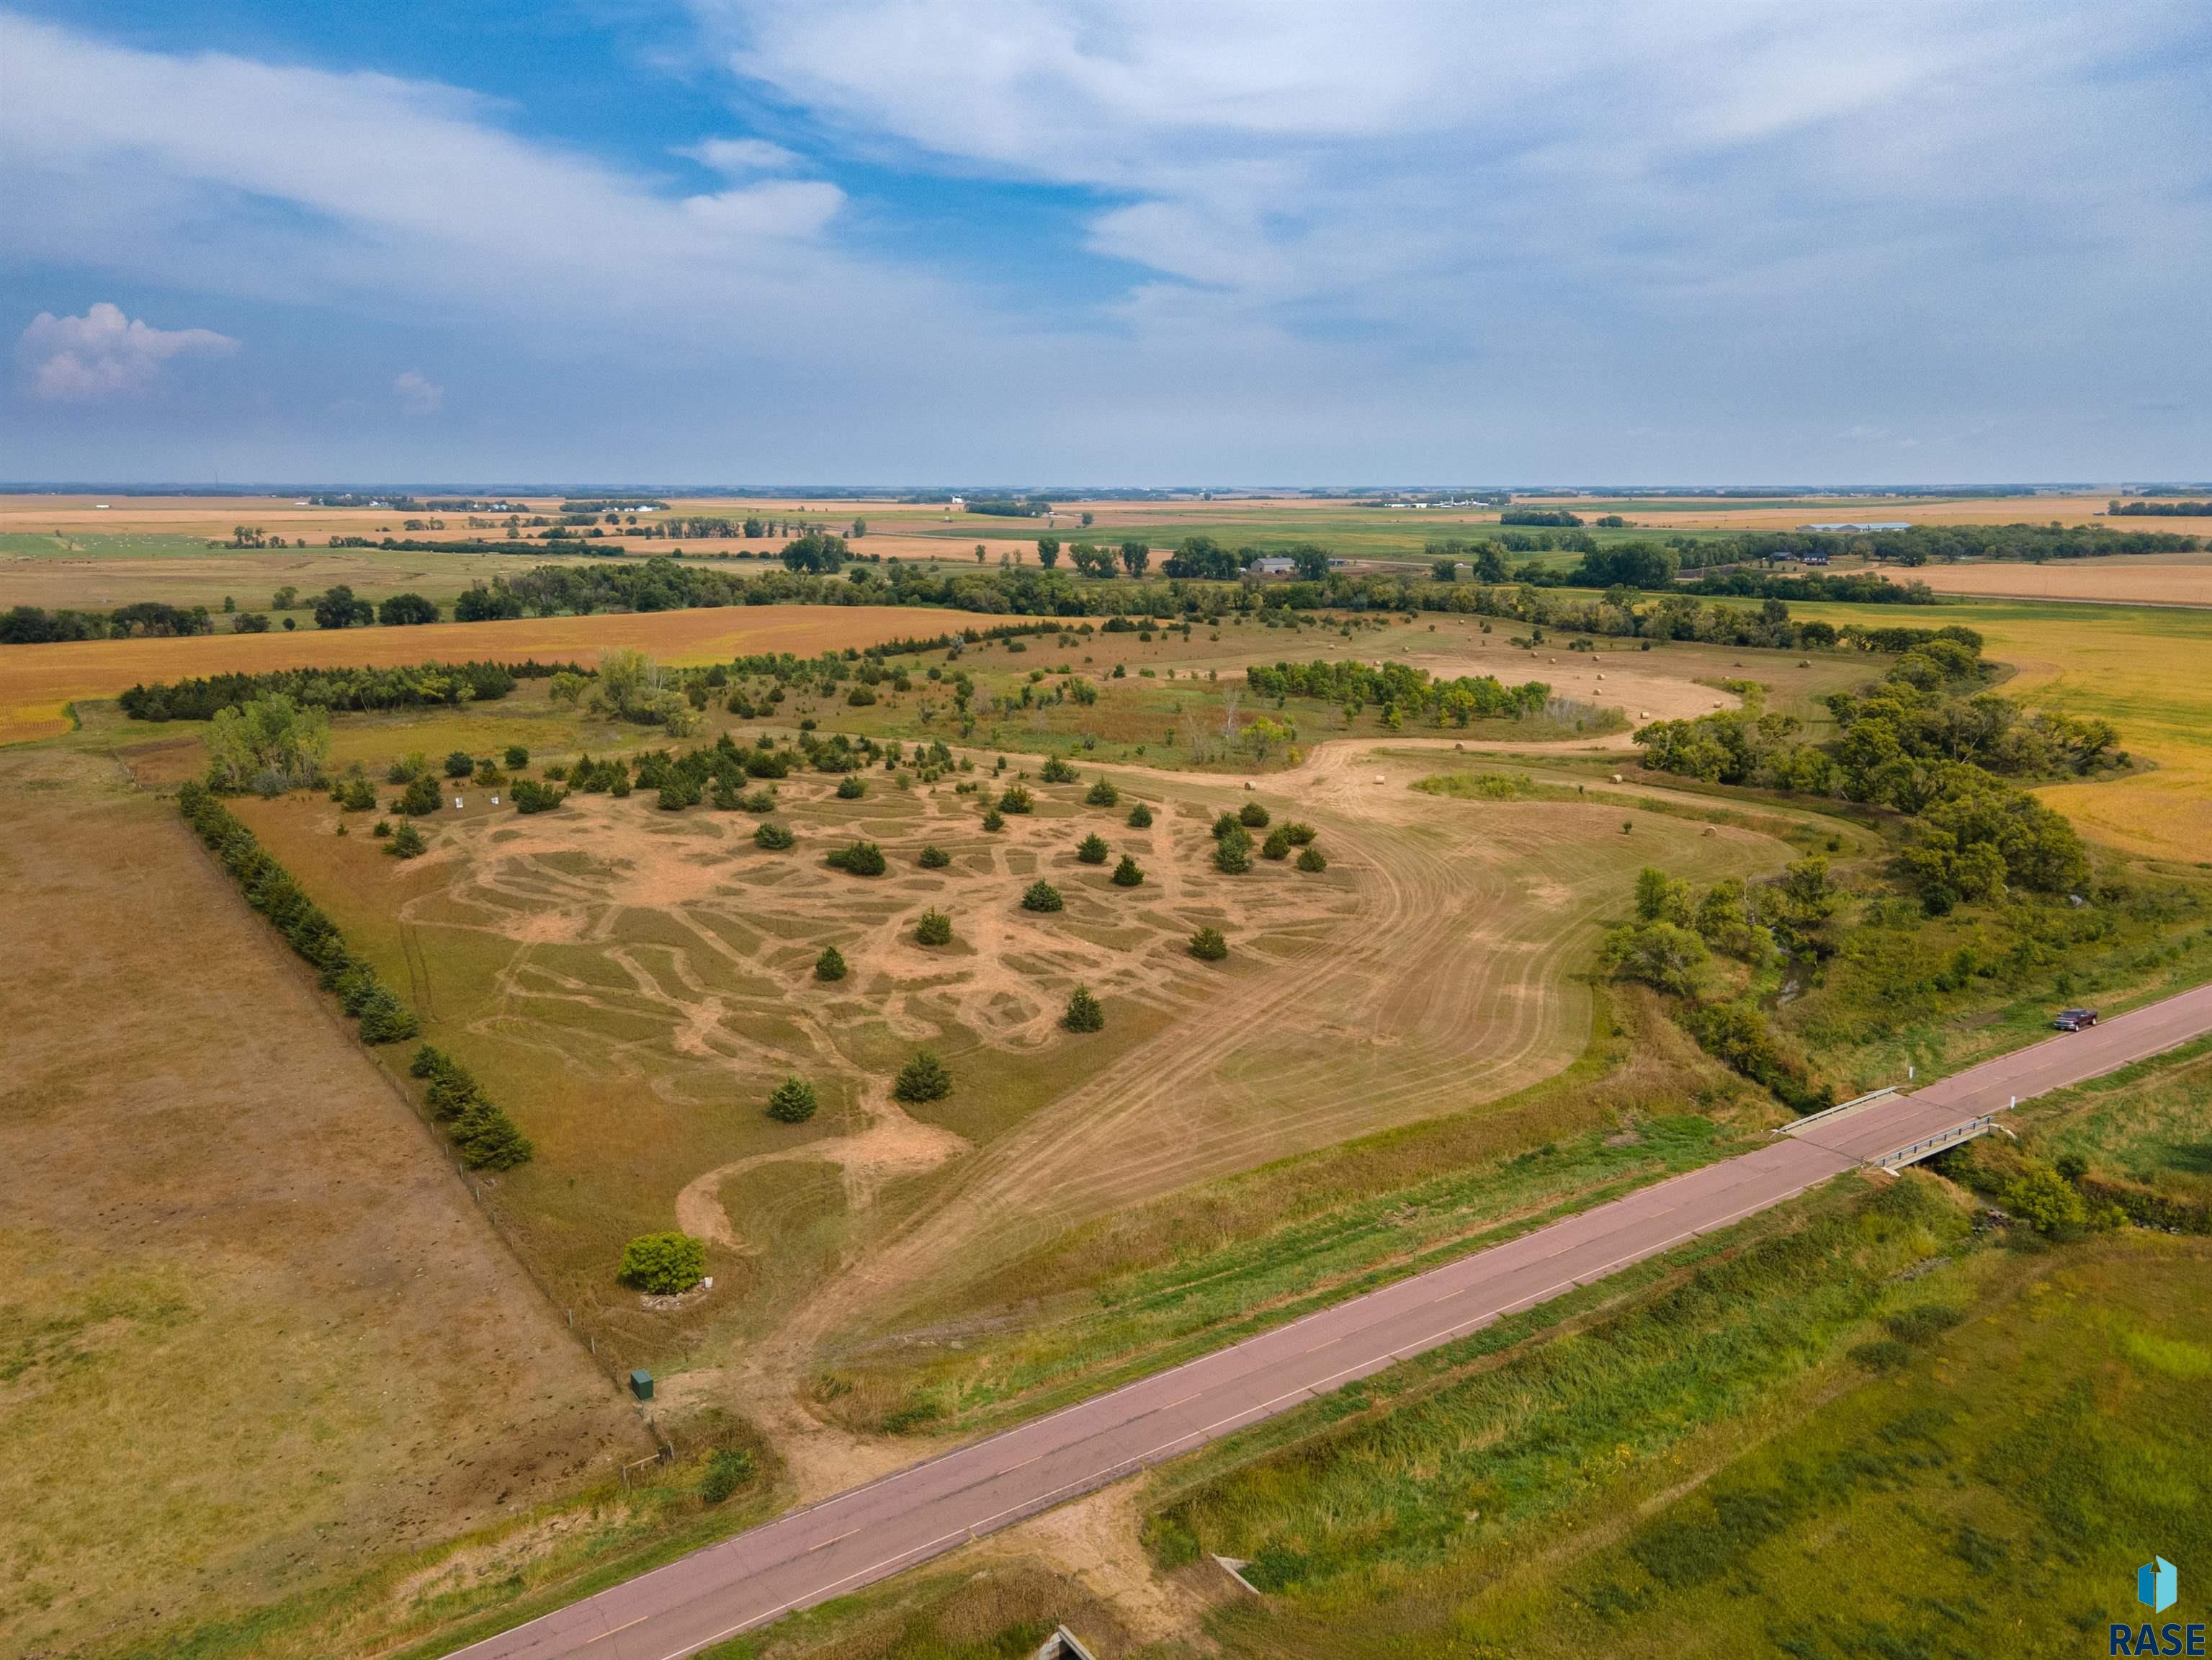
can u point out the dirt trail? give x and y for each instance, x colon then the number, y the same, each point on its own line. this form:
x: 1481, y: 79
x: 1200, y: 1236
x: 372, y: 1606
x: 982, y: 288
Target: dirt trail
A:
x: 1445, y: 983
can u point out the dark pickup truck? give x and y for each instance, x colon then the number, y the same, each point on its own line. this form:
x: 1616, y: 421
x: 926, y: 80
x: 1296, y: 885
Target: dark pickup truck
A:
x: 2076, y: 1019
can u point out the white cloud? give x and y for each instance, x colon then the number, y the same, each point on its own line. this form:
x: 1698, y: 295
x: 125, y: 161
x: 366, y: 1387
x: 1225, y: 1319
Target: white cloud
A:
x: 741, y: 158
x: 82, y: 360
x: 418, y: 394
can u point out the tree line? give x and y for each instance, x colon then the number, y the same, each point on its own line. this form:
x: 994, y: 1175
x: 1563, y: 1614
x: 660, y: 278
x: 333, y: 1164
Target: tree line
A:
x: 421, y: 686
x: 1928, y: 741
x: 1401, y: 688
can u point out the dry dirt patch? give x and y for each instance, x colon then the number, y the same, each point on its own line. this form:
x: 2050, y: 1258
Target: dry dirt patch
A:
x: 252, y: 1333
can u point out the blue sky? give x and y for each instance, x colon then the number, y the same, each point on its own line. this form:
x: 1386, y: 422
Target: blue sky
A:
x: 883, y: 243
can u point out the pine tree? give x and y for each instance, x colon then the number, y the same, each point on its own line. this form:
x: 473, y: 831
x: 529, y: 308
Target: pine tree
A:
x: 934, y: 858
x: 1278, y: 844
x: 1208, y: 946
x: 830, y: 965
x: 1091, y: 850
x: 1128, y: 873
x: 1041, y: 896
x: 1141, y: 817
x: 935, y: 928
x: 1084, y: 1013
x: 793, y: 1102
x: 923, y: 1079
x: 1104, y: 794
x: 1313, y: 858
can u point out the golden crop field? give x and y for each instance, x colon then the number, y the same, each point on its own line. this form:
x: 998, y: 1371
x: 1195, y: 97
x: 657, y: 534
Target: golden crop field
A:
x: 37, y: 682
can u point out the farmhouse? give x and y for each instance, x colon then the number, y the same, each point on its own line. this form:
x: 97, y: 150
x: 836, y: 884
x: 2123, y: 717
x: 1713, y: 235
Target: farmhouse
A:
x: 1273, y: 566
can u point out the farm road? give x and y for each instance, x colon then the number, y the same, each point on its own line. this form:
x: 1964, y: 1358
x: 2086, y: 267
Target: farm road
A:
x: 873, y: 1531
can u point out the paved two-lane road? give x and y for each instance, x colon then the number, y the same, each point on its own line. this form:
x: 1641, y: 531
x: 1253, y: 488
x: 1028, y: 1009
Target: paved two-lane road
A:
x: 871, y: 1532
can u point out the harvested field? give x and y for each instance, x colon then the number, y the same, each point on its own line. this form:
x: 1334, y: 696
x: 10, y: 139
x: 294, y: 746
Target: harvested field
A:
x: 38, y: 681
x: 253, y: 1332
x: 2182, y: 579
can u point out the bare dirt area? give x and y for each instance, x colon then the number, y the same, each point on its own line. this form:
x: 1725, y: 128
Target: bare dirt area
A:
x: 253, y: 1334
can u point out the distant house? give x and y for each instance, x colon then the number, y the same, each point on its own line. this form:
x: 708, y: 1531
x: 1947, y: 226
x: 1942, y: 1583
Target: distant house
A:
x: 1275, y: 566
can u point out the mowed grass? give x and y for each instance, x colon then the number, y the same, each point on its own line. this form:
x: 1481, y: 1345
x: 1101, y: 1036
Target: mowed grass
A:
x: 1148, y: 1287
x: 1710, y: 1470
x: 2142, y: 668
x: 253, y: 1332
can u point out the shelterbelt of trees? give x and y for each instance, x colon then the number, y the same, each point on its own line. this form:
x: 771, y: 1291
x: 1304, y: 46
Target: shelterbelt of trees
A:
x: 1930, y: 741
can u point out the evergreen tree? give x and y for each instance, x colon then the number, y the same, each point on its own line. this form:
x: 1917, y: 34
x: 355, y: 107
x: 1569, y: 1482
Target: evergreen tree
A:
x: 407, y: 843
x: 1141, y: 817
x: 830, y: 965
x: 1084, y: 1013
x: 923, y: 1079
x: 935, y: 928
x: 1208, y: 946
x: 1102, y: 794
x: 793, y: 1102
x: 1041, y: 896
x: 1313, y: 858
x: 1127, y: 873
x: 1091, y: 850
x: 774, y: 837
x: 1278, y: 844
x: 934, y: 858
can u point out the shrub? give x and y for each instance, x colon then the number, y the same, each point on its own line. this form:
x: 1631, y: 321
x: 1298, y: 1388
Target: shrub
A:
x: 408, y: 843
x: 1141, y: 817
x: 850, y: 788
x: 675, y: 797
x: 459, y: 764
x: 830, y: 965
x: 1015, y: 799
x: 1128, y: 873
x: 861, y: 859
x: 1104, y: 794
x: 663, y: 1263
x: 1208, y: 946
x: 1312, y: 859
x: 1299, y: 834
x: 358, y: 796
x: 757, y: 800
x: 1277, y: 846
x: 1252, y: 816
x: 1224, y: 824
x: 1084, y: 1013
x: 1057, y: 771
x: 421, y: 797
x: 516, y: 757
x: 1041, y: 896
x: 383, y: 828
x: 1232, y: 853
x: 935, y: 928
x: 934, y: 858
x: 730, y: 1469
x: 406, y: 770
x: 993, y: 820
x: 793, y: 1102
x: 774, y: 837
x: 923, y: 1079
x: 1091, y: 850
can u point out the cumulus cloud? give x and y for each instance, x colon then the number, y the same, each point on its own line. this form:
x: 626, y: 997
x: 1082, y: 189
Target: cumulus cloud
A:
x: 102, y: 354
x: 418, y: 394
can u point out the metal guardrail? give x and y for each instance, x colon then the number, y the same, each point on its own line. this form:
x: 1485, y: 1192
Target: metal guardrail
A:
x: 1840, y: 1107
x: 1936, y: 1143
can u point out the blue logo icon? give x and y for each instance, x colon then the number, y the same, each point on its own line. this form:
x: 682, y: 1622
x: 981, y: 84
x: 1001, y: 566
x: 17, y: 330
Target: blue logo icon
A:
x: 2157, y: 1584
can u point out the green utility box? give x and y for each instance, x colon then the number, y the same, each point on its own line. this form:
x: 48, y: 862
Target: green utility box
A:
x: 640, y: 1384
